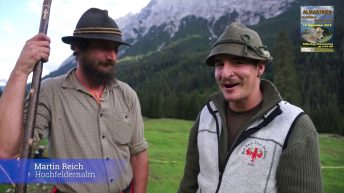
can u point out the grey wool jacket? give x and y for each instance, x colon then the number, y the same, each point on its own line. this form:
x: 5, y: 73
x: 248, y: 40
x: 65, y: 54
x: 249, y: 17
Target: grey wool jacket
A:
x: 298, y: 168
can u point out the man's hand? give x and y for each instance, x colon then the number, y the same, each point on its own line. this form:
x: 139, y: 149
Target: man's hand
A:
x: 35, y: 49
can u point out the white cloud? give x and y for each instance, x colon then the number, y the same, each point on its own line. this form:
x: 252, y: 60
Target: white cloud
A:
x: 35, y: 6
x: 7, y: 26
x: 2, y: 82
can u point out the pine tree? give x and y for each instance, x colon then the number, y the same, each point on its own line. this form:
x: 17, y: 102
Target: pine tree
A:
x: 285, y: 75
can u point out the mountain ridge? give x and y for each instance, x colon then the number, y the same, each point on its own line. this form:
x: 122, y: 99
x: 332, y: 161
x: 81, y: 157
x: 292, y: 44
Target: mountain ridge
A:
x: 171, y: 13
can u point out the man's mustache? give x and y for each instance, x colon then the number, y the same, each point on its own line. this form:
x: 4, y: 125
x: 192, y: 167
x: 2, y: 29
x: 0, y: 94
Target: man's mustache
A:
x: 228, y: 80
x: 107, y: 63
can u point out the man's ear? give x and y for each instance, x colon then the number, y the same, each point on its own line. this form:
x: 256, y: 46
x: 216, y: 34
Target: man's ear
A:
x: 260, y: 68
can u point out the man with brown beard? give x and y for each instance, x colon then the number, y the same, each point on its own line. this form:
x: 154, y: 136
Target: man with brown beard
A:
x: 87, y: 112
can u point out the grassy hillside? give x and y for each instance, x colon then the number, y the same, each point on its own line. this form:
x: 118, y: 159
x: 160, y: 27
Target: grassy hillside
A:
x: 332, y: 161
x: 167, y: 140
x: 167, y: 146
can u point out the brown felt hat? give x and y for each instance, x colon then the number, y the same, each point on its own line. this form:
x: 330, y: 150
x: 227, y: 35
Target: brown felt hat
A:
x: 96, y: 24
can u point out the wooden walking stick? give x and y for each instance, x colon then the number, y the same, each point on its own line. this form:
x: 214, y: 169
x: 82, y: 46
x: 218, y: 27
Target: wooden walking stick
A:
x: 32, y: 108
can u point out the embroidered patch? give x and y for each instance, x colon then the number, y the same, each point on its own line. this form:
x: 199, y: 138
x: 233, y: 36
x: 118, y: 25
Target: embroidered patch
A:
x: 254, y: 151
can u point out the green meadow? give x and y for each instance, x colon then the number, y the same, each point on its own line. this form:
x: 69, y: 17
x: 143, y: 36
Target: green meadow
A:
x: 168, y: 138
x: 332, y: 162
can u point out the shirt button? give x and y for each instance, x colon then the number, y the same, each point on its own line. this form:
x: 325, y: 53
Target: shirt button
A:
x: 101, y: 114
x: 111, y: 180
x: 103, y: 136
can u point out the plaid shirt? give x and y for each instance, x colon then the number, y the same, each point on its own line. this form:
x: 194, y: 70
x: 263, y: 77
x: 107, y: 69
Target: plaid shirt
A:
x: 78, y: 127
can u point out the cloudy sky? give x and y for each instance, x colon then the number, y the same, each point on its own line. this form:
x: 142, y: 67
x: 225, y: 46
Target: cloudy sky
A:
x: 19, y: 21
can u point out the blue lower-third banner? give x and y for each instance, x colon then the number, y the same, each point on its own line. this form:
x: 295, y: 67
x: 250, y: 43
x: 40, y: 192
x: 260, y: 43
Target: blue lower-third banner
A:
x: 60, y: 170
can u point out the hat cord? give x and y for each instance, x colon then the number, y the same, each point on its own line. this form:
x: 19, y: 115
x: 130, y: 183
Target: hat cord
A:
x: 257, y: 50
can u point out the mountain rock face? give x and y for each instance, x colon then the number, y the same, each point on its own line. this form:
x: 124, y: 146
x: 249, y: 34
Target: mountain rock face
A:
x: 170, y: 14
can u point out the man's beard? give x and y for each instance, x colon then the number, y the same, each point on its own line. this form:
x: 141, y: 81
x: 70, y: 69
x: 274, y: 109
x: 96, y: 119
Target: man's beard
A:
x: 94, y: 75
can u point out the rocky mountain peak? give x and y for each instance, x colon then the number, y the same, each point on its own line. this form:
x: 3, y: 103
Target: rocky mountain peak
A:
x: 171, y: 12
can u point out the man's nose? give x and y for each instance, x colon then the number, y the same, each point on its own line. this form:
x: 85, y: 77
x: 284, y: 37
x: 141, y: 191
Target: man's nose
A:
x: 228, y: 69
x: 111, y: 54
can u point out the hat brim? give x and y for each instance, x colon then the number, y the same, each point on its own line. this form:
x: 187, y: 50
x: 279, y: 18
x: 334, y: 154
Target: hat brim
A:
x: 235, y: 50
x: 71, y: 39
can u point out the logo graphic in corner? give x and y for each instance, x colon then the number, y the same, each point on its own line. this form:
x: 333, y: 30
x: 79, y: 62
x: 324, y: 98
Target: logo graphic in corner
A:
x: 254, y: 151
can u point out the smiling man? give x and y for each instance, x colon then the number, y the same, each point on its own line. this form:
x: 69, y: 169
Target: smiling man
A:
x: 247, y: 138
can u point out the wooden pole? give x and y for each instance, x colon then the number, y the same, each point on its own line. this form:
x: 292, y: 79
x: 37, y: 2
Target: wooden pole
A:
x: 32, y: 108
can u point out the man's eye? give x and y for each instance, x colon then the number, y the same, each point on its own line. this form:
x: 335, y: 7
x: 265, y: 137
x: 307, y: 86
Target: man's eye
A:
x: 106, y: 48
x: 218, y: 64
x: 238, y: 62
